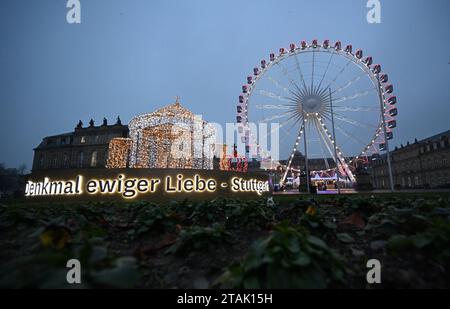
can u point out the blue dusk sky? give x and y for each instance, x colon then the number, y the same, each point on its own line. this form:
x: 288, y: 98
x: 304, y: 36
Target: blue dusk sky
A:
x: 130, y: 57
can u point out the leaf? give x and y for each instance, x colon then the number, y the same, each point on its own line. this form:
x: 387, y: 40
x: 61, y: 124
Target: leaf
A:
x: 98, y: 254
x: 123, y: 275
x: 399, y: 242
x: 421, y: 240
x: 357, y: 252
x: 251, y: 283
x: 302, y: 259
x: 330, y: 225
x: 378, y: 245
x: 317, y: 242
x: 345, y: 238
x: 355, y: 219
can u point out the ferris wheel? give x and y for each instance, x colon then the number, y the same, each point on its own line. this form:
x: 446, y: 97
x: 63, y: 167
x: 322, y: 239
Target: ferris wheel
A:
x: 327, y: 101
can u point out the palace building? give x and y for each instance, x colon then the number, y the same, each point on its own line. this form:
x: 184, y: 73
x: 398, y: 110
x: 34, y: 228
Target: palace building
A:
x: 421, y: 164
x: 170, y: 137
x: 85, y: 147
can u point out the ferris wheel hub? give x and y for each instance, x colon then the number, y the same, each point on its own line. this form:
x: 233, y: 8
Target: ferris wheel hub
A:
x: 311, y: 103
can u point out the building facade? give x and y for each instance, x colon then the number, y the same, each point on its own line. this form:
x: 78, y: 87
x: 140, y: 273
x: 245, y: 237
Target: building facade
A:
x: 85, y: 147
x: 422, y: 164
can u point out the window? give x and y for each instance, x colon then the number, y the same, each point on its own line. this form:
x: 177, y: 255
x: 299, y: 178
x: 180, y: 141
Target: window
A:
x: 41, y: 162
x: 65, y: 161
x: 442, y: 143
x: 428, y: 148
x: 435, y: 146
x: 55, y: 162
x: 409, y: 182
x: 94, y: 159
x: 83, y: 139
x: 416, y: 180
x: 81, y: 159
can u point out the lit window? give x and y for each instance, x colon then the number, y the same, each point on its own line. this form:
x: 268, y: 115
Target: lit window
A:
x: 94, y: 159
x: 83, y: 139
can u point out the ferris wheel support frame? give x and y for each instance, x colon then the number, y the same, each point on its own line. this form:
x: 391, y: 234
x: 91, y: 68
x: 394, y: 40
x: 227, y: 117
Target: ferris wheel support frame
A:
x: 335, y: 142
x: 340, y: 156
x: 308, y: 176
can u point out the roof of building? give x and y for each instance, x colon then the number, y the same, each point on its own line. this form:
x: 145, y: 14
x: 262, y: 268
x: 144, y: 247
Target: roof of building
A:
x: 437, y: 137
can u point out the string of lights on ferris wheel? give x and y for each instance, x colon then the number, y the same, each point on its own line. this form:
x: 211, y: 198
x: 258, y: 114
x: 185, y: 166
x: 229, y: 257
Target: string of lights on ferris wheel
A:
x: 370, y: 69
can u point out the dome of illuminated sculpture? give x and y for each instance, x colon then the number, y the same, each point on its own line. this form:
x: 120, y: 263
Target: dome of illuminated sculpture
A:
x: 175, y: 110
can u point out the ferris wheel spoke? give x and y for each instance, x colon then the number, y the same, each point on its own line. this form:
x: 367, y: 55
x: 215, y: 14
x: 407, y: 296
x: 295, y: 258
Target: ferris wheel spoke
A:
x: 353, y: 96
x: 299, y: 71
x: 278, y: 84
x: 349, y: 135
x: 280, y: 126
x: 271, y: 107
x: 337, y: 75
x: 274, y: 96
x: 286, y: 74
x: 326, y: 70
x: 354, y: 122
x: 274, y: 117
x: 355, y: 109
x: 349, y: 83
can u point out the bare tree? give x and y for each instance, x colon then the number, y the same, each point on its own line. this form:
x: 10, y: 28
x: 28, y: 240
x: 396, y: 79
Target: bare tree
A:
x: 22, y: 168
